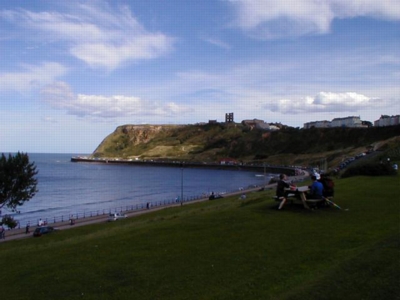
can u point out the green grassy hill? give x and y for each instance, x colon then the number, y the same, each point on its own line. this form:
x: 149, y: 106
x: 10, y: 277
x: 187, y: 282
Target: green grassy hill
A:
x: 222, y: 249
x: 211, y: 142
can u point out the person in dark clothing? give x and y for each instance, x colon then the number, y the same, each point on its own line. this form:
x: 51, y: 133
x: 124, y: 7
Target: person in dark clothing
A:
x: 281, y: 194
x: 328, y: 185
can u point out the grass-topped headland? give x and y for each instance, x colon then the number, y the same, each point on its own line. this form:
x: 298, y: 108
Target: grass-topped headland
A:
x: 212, y: 142
x: 222, y: 249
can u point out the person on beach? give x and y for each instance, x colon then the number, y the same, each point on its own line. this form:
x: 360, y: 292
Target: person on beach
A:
x: 281, y: 194
x: 27, y: 228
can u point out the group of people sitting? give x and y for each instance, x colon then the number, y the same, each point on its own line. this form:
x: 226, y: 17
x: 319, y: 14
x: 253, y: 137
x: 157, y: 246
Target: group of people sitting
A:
x: 322, y: 187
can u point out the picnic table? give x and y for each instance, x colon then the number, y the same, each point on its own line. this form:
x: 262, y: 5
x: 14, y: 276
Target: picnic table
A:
x: 300, y: 193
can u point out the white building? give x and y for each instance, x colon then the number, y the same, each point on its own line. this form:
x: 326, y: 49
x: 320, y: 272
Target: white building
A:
x: 317, y: 124
x: 255, y: 123
x: 337, y: 122
x: 347, y: 122
x: 385, y: 120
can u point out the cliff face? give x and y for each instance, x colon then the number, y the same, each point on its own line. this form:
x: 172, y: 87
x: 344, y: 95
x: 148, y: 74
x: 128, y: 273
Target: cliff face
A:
x: 142, y: 134
x: 130, y: 136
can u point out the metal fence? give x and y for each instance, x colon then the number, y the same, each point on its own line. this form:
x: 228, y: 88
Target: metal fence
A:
x: 130, y: 208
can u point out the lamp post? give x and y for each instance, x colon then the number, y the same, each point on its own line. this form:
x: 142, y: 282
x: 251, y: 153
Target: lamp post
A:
x: 265, y: 175
x: 181, y: 184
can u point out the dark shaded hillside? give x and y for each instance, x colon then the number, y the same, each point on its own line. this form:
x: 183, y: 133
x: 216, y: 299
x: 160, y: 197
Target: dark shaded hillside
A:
x: 314, y: 140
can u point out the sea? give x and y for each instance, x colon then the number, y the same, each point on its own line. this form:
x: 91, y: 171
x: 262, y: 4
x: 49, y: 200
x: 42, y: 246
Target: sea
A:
x: 70, y: 189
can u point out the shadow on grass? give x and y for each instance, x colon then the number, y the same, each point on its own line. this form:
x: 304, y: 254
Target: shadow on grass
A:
x: 354, y: 277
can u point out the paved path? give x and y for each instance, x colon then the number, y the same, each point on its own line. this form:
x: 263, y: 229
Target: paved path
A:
x: 20, y: 233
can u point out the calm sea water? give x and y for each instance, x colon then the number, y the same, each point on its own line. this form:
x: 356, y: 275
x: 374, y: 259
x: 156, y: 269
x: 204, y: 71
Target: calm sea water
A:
x: 67, y: 188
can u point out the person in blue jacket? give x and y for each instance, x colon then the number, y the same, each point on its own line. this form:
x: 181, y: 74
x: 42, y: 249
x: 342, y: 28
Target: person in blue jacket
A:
x: 316, y: 189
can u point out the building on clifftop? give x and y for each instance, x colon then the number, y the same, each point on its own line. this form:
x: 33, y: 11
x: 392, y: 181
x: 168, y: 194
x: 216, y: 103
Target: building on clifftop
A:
x: 353, y: 122
x: 255, y: 123
x: 386, y: 120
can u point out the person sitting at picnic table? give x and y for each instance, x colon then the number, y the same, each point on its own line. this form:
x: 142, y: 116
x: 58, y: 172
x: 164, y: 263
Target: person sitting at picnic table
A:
x: 281, y: 194
x: 316, y: 189
x: 328, y: 185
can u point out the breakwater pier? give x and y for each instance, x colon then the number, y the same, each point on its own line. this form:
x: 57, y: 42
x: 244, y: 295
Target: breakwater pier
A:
x: 288, y: 170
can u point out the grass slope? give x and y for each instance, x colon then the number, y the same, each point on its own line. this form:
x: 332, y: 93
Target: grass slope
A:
x: 222, y: 249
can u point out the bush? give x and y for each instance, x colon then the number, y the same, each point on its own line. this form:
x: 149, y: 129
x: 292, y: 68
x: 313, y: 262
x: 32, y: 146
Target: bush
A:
x: 17, y: 180
x: 371, y: 169
x: 9, y: 221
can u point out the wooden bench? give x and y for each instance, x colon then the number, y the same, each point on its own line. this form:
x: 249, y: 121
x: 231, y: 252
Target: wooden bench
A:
x: 315, y: 200
x: 276, y: 198
x: 289, y: 198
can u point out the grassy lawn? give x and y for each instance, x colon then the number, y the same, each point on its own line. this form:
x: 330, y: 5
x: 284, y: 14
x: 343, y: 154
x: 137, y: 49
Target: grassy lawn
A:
x: 222, y: 249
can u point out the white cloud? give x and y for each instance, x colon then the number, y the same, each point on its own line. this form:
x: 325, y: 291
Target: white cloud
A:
x: 324, y: 102
x: 112, y: 56
x: 31, y: 77
x: 269, y: 19
x: 60, y: 96
x: 97, y: 34
x: 217, y: 42
x: 50, y: 119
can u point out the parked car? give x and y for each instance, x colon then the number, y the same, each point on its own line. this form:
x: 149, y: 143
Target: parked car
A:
x: 39, y: 231
x: 116, y: 216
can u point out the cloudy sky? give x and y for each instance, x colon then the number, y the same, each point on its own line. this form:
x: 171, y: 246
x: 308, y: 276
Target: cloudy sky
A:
x: 72, y: 71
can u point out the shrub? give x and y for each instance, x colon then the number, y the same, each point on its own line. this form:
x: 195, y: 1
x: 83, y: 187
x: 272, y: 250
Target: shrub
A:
x: 370, y: 169
x: 9, y: 221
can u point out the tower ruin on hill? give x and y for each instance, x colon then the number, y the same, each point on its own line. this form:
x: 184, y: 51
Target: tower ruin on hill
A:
x: 229, y: 118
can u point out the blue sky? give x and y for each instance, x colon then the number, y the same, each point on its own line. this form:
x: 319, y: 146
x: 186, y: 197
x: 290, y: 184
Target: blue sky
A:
x: 72, y: 71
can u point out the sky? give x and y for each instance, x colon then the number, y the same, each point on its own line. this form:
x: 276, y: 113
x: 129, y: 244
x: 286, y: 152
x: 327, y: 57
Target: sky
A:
x: 72, y: 71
